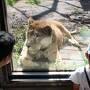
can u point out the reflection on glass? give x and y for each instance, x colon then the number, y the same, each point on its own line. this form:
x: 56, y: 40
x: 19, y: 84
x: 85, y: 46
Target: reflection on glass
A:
x: 46, y: 45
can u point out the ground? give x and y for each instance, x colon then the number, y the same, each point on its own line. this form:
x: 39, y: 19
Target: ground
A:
x: 75, y: 15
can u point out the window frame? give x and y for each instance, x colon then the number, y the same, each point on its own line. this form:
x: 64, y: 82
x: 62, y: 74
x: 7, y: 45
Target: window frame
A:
x: 27, y: 79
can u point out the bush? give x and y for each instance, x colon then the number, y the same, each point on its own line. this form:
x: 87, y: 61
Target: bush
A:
x: 10, y: 2
x: 34, y: 1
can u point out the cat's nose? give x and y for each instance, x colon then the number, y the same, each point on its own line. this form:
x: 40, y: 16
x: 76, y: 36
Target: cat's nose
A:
x: 28, y: 45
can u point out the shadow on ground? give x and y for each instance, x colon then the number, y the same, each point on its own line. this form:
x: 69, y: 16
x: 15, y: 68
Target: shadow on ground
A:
x: 85, y: 5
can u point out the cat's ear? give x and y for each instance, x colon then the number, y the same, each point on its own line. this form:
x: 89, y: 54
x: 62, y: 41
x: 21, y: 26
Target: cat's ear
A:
x: 30, y: 21
x: 47, y: 30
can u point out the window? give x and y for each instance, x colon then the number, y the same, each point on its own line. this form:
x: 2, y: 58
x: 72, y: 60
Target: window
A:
x: 18, y: 12
x: 18, y: 15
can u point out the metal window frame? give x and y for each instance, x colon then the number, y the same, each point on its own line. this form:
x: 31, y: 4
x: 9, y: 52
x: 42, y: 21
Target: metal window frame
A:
x: 27, y: 79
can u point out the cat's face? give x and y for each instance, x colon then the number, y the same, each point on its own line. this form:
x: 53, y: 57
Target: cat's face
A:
x: 39, y: 38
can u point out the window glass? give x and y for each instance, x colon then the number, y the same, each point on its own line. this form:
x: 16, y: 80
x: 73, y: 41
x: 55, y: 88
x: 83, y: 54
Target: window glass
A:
x: 39, y: 47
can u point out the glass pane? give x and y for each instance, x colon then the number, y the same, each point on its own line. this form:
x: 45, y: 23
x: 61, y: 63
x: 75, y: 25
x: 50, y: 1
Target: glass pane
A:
x: 47, y: 44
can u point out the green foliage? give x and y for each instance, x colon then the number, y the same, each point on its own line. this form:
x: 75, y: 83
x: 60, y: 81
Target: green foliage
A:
x: 20, y: 38
x: 10, y: 2
x: 34, y: 1
x: 19, y: 34
x: 85, y: 31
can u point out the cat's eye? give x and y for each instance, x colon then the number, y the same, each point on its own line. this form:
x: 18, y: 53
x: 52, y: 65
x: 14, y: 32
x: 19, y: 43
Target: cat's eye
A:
x: 31, y: 33
x: 37, y: 35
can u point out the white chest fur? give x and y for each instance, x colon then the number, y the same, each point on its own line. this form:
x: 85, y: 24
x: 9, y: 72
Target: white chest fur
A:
x: 46, y: 42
